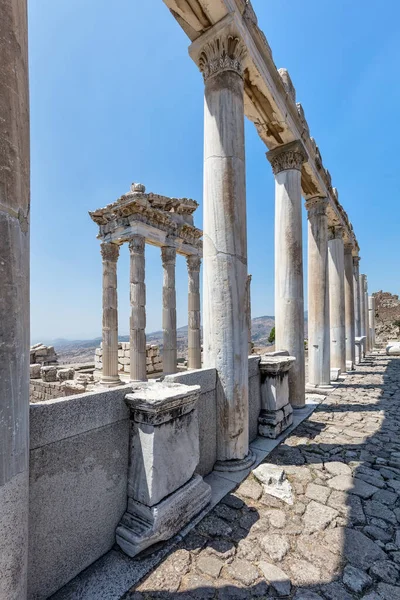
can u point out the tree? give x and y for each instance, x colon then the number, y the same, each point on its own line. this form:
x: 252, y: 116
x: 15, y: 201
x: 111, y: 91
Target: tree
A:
x: 271, y: 337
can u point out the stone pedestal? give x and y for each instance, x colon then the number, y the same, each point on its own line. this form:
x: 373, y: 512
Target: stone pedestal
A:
x: 286, y: 164
x: 219, y: 53
x: 360, y: 346
x: 336, y: 298
x: 318, y: 294
x: 276, y: 413
x: 138, y: 309
x: 349, y: 307
x: 14, y: 299
x: 357, y: 307
x: 110, y: 253
x: 194, y: 341
x: 163, y: 492
x: 168, y: 256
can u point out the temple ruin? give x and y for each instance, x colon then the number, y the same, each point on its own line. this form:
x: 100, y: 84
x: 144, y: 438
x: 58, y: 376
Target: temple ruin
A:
x: 205, y: 427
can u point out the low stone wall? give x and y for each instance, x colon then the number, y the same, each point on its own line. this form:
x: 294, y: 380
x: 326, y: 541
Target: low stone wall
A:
x: 43, y: 355
x: 153, y: 358
x: 45, y: 390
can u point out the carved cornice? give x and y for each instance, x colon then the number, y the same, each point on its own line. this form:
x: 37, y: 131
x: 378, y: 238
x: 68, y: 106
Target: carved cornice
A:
x: 193, y: 262
x: 137, y: 244
x: 168, y: 255
x: 316, y: 207
x: 109, y: 251
x: 224, y: 53
x: 289, y: 156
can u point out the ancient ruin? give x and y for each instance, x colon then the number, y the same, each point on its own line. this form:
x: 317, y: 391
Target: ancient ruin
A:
x: 135, y: 461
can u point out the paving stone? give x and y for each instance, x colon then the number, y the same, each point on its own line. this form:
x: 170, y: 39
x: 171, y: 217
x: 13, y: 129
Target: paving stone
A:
x: 302, y: 572
x: 213, y: 525
x: 388, y: 592
x: 250, y: 488
x: 277, y: 518
x: 336, y: 591
x: 356, y: 579
x: 359, y: 550
x: 385, y: 570
x: 377, y: 533
x: 197, y: 586
x: 337, y: 468
x: 386, y: 497
x: 377, y: 509
x: 306, y: 595
x: 346, y: 483
x: 209, y: 565
x: 232, y: 501
x: 317, y: 492
x: 276, y: 577
x: 275, y: 545
x: 243, y: 571
x: 318, y: 516
x: 221, y: 548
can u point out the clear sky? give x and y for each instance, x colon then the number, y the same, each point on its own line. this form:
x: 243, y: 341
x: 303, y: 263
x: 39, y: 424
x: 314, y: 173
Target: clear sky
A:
x: 115, y: 98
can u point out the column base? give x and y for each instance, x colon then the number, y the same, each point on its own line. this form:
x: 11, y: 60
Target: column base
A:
x: 110, y: 381
x: 142, y: 526
x: 236, y: 464
x: 322, y: 389
x: 349, y: 365
x: 271, y: 423
x: 335, y: 373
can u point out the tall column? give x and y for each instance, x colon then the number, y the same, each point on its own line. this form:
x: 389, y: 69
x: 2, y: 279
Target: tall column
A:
x: 371, y: 311
x: 367, y: 333
x: 138, y: 309
x: 110, y: 254
x: 168, y: 256
x: 248, y: 313
x: 357, y: 304
x: 194, y: 343
x: 349, y: 307
x: 14, y: 299
x: 336, y: 298
x: 286, y: 164
x: 219, y: 53
x: 362, y: 309
x: 319, y: 368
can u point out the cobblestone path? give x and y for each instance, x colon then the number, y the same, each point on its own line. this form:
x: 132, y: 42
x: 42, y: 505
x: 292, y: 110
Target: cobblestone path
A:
x: 339, y: 540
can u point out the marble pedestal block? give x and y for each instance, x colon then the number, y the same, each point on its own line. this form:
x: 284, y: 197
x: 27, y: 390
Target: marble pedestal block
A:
x: 276, y: 411
x: 360, y: 348
x: 393, y: 348
x: 335, y: 373
x: 163, y: 492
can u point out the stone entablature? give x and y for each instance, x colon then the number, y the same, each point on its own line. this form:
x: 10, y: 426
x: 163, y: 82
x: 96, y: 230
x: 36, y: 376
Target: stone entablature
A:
x: 154, y: 363
x: 161, y: 220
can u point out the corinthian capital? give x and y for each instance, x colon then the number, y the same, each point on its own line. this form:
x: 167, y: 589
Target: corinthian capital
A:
x: 219, y: 49
x: 289, y: 156
x: 193, y: 262
x: 316, y: 207
x: 137, y: 244
x: 336, y: 232
x: 109, y: 251
x: 168, y: 255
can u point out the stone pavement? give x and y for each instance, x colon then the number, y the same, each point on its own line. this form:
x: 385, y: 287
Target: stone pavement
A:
x: 338, y: 541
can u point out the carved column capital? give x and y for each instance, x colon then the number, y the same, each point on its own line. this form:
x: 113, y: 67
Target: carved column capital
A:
x: 335, y: 233
x: 316, y: 206
x: 356, y: 260
x: 289, y: 156
x: 193, y: 262
x: 168, y: 255
x: 348, y: 248
x: 137, y: 244
x: 109, y: 251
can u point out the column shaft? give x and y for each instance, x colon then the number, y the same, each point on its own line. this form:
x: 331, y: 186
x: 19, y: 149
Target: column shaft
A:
x: 357, y: 305
x: 349, y: 307
x: 362, y: 309
x: 286, y: 164
x: 219, y: 56
x: 248, y: 312
x: 318, y: 294
x: 194, y: 341
x: 367, y: 332
x: 168, y: 255
x: 336, y: 299
x: 110, y: 253
x: 138, y: 309
x: 14, y: 299
x: 371, y: 311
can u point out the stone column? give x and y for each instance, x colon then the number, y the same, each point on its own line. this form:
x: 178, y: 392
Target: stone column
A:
x: 138, y: 309
x: 286, y: 164
x: 336, y: 298
x: 367, y: 334
x: 362, y: 311
x: 14, y: 299
x: 248, y: 312
x: 168, y: 256
x: 357, y: 305
x: 371, y: 312
x: 319, y: 368
x: 349, y: 307
x: 194, y: 342
x: 220, y: 53
x: 110, y: 254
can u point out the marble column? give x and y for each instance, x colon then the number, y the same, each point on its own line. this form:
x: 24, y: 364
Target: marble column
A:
x: 336, y: 298
x: 219, y: 53
x: 14, y: 299
x: 319, y: 368
x: 248, y: 312
x: 371, y: 312
x: 194, y: 341
x: 138, y: 309
x: 110, y: 254
x: 286, y: 164
x: 367, y: 333
x: 168, y: 256
x: 349, y: 307
x: 362, y: 310
x: 357, y: 305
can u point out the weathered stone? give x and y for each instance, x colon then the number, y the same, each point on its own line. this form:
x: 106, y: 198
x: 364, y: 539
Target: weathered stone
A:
x: 275, y: 545
x: 243, y: 571
x: 388, y: 592
x: 276, y: 577
x: 377, y: 509
x: 209, y: 565
x: 250, y: 489
x: 34, y: 371
x: 385, y: 570
x: 317, y: 492
x: 345, y: 483
x: 337, y: 468
x: 356, y: 579
x: 274, y: 482
x: 48, y: 373
x: 359, y: 550
x: 318, y: 516
x: 336, y: 591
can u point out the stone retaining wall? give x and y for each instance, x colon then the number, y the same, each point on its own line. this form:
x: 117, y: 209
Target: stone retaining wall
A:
x: 153, y: 358
x: 45, y: 390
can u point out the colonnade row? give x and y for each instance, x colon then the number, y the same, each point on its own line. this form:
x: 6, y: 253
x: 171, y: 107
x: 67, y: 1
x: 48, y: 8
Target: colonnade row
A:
x: 110, y: 254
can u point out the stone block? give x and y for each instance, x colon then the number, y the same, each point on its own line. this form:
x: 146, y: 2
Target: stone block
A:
x: 276, y: 412
x: 335, y: 373
x: 65, y: 374
x: 48, y: 373
x: 34, y: 371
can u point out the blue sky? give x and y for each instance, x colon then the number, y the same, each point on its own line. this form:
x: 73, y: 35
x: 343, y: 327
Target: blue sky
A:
x: 115, y: 98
